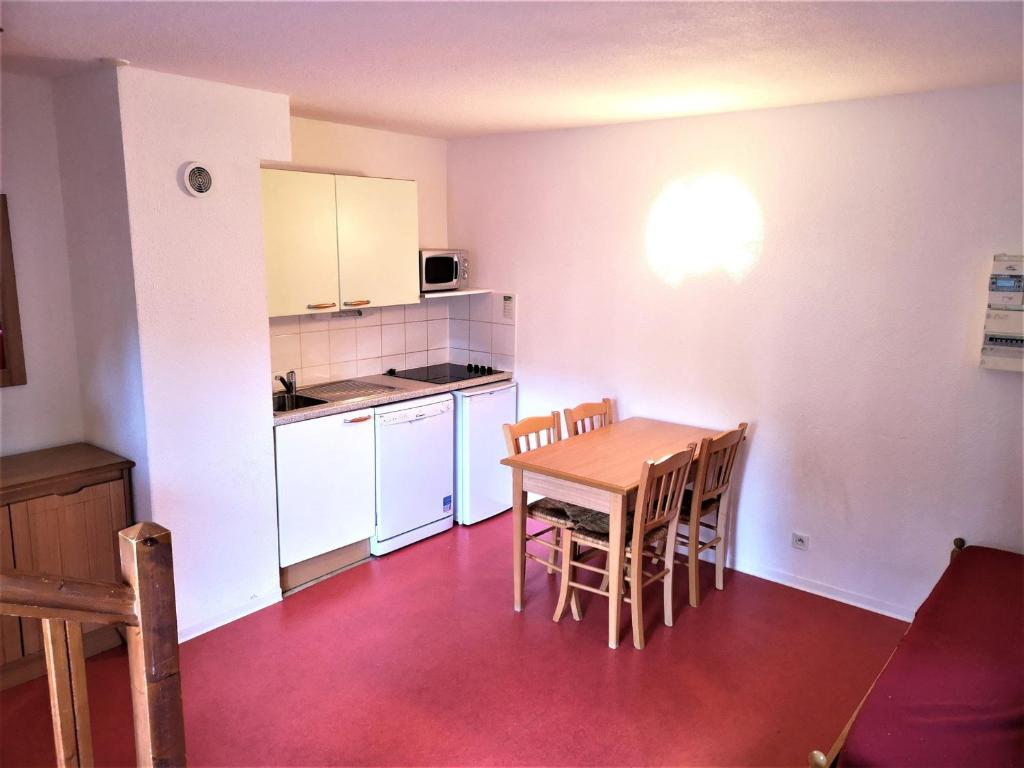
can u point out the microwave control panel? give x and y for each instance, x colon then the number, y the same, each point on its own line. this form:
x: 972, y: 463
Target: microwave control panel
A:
x: 1002, y: 347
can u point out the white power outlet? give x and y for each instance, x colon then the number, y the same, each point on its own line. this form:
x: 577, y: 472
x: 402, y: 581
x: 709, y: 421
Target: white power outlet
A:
x: 801, y: 540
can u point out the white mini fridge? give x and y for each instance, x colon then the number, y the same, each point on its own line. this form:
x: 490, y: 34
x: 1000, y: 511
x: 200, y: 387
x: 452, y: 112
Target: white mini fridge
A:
x: 483, y: 487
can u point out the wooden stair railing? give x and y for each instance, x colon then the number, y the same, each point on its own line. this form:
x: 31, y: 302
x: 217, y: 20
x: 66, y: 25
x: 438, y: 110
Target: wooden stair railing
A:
x: 144, y: 605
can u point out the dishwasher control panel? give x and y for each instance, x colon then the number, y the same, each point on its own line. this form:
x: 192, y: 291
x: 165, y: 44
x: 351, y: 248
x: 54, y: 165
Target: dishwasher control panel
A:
x: 421, y: 410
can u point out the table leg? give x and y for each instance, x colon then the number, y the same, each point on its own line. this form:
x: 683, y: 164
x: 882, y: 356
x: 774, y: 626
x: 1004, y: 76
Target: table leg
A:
x: 518, y: 538
x: 616, y: 554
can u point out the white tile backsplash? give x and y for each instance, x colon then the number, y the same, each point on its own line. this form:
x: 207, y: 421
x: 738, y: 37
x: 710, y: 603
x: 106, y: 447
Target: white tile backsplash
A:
x: 368, y: 342
x: 338, y: 322
x: 489, y: 336
x: 503, y: 362
x: 369, y: 317
x: 284, y: 352
x: 503, y: 339
x: 392, y: 315
x: 479, y: 358
x: 416, y: 336
x: 282, y: 325
x: 318, y: 322
x: 479, y: 336
x: 315, y: 348
x: 416, y: 312
x: 437, y: 309
x: 317, y: 374
x: 437, y: 333
x: 344, y: 370
x: 458, y: 307
x: 343, y: 345
x: 371, y: 366
x: 392, y: 339
x: 417, y: 359
x: 458, y: 333
x: 457, y: 329
x: 480, y: 307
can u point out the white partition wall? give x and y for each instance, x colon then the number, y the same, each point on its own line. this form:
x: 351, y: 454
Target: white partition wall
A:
x: 850, y: 342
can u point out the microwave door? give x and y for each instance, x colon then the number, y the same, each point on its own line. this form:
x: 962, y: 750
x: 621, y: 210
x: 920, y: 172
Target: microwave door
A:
x: 440, y: 270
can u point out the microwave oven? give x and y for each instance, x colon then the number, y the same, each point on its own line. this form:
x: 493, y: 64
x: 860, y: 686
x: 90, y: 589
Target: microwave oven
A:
x: 443, y: 270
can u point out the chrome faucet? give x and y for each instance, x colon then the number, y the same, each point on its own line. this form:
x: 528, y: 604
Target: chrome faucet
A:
x: 289, y: 383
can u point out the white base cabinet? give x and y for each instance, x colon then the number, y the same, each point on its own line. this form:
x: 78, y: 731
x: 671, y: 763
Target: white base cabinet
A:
x: 325, y: 484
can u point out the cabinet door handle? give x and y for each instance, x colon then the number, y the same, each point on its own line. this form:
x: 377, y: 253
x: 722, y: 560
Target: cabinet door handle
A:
x: 357, y: 303
x: 324, y: 305
x: 358, y: 419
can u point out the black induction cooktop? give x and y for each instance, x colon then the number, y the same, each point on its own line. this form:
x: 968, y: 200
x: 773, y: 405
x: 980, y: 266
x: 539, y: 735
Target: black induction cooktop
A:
x: 444, y: 373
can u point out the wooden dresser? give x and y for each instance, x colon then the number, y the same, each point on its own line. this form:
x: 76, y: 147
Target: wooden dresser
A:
x: 60, y: 511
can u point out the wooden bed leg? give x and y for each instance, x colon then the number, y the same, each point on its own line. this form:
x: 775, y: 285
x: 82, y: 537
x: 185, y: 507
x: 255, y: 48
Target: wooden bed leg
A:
x: 958, y: 544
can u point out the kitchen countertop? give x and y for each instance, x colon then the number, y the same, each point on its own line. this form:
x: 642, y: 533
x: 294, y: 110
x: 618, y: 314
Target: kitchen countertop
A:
x: 404, y: 389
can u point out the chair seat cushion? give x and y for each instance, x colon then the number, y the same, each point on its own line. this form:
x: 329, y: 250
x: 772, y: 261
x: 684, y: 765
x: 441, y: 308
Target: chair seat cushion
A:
x: 558, y: 512
x: 594, y: 530
x: 709, y: 506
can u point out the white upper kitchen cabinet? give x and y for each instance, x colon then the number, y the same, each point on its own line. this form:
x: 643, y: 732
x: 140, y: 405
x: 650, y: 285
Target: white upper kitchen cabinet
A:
x: 378, y: 241
x: 300, y: 242
x: 326, y: 484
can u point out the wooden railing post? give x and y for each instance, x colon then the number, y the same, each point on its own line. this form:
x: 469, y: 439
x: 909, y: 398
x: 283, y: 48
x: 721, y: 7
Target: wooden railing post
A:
x: 69, y: 698
x: 147, y: 567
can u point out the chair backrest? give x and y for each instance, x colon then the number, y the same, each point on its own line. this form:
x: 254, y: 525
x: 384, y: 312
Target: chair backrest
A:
x: 532, y: 432
x: 660, y: 496
x: 714, y: 467
x: 587, y: 417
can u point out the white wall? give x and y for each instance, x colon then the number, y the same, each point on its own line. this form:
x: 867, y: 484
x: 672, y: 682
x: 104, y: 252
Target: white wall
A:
x: 348, y: 149
x: 47, y: 410
x: 852, y: 346
x: 169, y: 304
x: 100, y: 259
x: 202, y: 319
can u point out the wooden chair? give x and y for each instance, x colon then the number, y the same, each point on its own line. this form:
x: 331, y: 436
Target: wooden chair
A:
x: 704, y: 507
x: 587, y: 417
x: 659, y: 501
x: 526, y: 435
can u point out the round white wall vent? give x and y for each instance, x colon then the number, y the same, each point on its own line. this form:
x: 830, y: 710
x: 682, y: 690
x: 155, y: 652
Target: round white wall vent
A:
x: 197, y: 179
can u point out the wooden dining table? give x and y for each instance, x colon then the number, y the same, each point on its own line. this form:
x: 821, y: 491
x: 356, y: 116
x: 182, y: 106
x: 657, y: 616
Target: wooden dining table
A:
x: 599, y: 470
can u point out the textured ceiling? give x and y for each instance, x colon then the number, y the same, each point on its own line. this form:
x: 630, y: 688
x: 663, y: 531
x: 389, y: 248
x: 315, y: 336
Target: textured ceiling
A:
x: 452, y: 69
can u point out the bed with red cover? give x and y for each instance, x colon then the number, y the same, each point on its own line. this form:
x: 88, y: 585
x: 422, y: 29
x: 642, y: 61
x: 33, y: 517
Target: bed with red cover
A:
x: 952, y: 693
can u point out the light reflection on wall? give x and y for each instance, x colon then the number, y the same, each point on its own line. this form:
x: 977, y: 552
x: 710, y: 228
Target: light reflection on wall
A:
x: 699, y: 225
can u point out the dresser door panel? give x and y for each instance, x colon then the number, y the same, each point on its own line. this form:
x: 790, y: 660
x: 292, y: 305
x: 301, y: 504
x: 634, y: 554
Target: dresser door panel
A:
x: 73, y: 535
x: 10, y: 626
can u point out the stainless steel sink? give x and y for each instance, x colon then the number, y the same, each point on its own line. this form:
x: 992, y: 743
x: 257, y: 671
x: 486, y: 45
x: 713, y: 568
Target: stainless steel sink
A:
x: 287, y: 402
x: 348, y: 390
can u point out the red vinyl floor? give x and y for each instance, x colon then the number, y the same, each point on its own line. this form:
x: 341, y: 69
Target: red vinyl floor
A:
x: 417, y: 658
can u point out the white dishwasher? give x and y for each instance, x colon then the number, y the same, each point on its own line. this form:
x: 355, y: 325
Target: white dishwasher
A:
x: 415, y: 472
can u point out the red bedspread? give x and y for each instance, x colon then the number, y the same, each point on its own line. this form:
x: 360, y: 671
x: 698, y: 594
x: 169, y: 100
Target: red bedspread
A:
x: 953, y: 693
